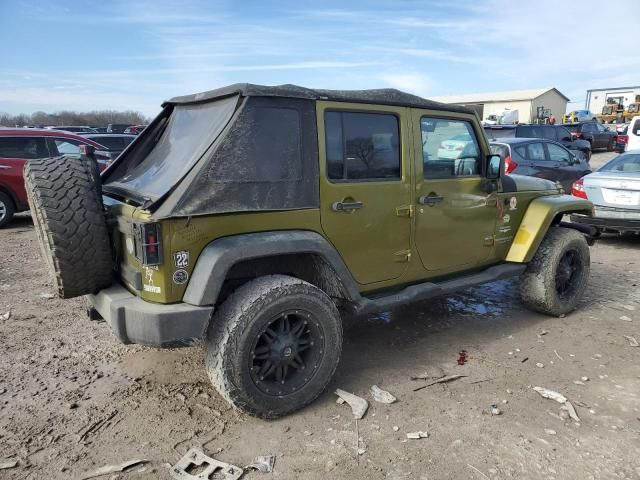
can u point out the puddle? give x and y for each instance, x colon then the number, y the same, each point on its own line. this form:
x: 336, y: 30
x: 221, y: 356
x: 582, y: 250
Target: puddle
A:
x: 490, y: 300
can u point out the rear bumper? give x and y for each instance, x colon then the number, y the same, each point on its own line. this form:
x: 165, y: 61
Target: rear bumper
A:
x: 134, y: 320
x: 610, y: 222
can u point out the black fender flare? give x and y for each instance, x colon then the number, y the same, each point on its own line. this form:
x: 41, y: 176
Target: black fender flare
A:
x: 220, y: 255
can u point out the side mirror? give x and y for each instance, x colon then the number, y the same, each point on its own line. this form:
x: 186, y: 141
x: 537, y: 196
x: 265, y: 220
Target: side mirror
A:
x: 495, y: 167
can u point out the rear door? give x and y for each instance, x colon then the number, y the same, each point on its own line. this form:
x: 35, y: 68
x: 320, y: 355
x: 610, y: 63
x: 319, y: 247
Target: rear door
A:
x: 455, y: 217
x: 564, y: 169
x: 14, y: 151
x: 365, y: 187
x: 538, y: 161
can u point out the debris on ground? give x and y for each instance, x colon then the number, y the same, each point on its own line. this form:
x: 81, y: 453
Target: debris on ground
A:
x: 7, y: 463
x: 445, y: 379
x: 5, y: 316
x: 382, y: 396
x: 48, y: 296
x: 625, y: 318
x: 558, y: 397
x: 417, y: 435
x: 549, y: 431
x: 196, y: 458
x: 263, y: 463
x: 542, y: 332
x: 494, y: 410
x: 433, y: 372
x: 632, y: 341
x: 462, y: 357
x: 107, y: 469
x: 540, y: 365
x: 396, y: 428
x: 358, y: 405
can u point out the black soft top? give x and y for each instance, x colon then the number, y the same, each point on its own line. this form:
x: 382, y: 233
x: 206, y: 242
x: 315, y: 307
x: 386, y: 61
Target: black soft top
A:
x: 382, y: 96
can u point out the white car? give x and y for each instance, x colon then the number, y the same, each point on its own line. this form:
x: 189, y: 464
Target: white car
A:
x: 452, y: 148
x: 634, y: 134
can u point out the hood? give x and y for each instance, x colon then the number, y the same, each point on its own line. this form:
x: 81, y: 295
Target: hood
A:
x: 533, y: 184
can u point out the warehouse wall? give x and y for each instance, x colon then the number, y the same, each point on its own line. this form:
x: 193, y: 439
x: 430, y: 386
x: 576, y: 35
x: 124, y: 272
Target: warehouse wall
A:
x: 557, y: 104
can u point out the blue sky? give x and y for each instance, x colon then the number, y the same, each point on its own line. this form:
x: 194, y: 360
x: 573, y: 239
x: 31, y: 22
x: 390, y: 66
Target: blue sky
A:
x: 132, y: 54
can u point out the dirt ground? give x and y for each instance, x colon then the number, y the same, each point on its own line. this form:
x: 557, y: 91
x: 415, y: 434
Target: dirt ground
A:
x: 72, y: 399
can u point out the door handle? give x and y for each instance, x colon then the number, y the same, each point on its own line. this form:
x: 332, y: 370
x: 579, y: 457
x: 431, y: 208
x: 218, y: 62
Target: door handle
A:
x: 4, y: 167
x: 346, y: 206
x: 430, y: 199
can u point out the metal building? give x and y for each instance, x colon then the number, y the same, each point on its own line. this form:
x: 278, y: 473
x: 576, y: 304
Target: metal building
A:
x: 529, y: 103
x: 599, y: 97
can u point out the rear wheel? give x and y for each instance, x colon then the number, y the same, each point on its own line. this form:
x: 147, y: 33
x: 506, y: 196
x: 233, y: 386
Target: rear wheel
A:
x: 612, y: 145
x: 70, y: 225
x: 274, y: 345
x: 7, y: 209
x: 556, y: 278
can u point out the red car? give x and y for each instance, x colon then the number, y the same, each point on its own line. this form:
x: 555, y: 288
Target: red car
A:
x: 135, y: 129
x: 18, y: 145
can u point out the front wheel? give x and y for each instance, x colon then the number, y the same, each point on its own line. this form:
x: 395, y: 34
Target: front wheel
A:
x: 556, y: 278
x: 274, y: 345
x: 7, y: 209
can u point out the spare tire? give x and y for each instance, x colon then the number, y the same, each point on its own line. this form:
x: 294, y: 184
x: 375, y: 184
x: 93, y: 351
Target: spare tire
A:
x: 70, y: 224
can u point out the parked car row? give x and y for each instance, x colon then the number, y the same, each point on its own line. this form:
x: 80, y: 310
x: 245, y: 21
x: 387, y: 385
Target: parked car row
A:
x: 19, y: 145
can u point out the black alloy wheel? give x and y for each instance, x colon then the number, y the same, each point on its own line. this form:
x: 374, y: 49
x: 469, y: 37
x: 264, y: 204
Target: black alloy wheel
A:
x: 286, y: 353
x: 568, y: 271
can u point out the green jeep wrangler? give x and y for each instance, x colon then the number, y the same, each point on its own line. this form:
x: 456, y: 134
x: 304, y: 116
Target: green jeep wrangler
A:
x: 251, y: 217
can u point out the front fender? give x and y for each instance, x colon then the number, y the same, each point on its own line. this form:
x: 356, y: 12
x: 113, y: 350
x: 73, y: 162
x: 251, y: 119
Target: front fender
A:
x: 536, y: 221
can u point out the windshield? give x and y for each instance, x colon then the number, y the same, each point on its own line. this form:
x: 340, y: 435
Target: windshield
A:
x: 629, y: 163
x: 191, y: 129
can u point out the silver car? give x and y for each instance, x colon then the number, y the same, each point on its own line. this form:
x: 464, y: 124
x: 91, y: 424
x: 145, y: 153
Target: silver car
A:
x: 615, y: 192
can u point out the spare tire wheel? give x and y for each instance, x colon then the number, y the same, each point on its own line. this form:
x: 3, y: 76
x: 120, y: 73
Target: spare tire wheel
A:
x: 70, y: 224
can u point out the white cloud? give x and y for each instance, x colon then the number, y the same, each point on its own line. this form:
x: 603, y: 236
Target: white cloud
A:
x: 415, y: 83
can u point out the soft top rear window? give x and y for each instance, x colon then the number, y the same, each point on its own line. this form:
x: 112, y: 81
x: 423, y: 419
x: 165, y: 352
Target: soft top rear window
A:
x: 187, y: 134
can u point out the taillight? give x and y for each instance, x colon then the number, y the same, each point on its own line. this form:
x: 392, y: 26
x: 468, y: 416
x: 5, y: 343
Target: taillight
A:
x: 622, y: 139
x: 577, y: 189
x: 148, y: 244
x: 509, y: 165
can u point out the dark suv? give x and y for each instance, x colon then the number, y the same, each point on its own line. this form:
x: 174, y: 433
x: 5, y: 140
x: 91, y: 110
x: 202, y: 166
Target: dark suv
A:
x: 595, y: 133
x: 557, y: 133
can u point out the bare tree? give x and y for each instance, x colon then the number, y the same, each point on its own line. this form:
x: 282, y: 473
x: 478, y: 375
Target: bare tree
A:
x: 96, y: 118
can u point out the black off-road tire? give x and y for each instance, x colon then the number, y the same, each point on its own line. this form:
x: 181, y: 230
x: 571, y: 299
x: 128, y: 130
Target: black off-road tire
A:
x: 7, y: 209
x: 70, y: 224
x: 238, y: 325
x: 539, y: 284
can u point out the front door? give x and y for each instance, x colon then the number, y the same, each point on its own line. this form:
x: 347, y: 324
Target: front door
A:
x: 455, y: 217
x: 365, y: 187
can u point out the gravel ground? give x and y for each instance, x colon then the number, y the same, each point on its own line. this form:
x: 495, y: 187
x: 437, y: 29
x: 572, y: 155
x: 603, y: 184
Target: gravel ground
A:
x: 72, y: 399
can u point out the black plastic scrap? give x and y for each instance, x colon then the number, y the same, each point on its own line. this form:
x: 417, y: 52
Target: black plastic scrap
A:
x: 196, y: 458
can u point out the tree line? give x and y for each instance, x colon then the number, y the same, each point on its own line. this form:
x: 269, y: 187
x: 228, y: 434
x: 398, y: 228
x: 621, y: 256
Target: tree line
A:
x: 97, y: 118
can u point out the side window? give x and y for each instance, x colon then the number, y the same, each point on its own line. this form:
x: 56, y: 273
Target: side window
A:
x: 587, y: 128
x: 67, y: 146
x: 23, y: 147
x: 521, y: 150
x: 449, y: 148
x: 549, y: 133
x: 636, y: 128
x: 564, y: 135
x: 362, y: 146
x: 600, y: 128
x: 536, y: 152
x: 558, y: 154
